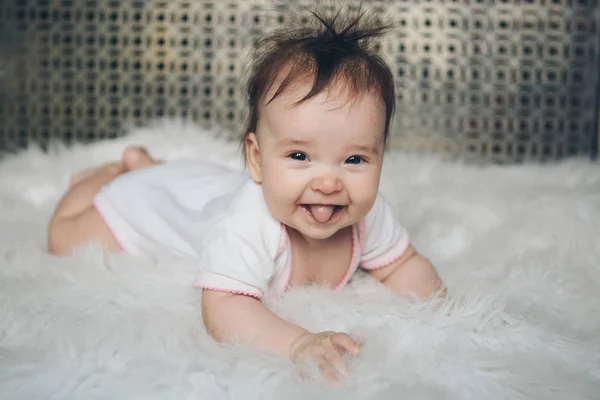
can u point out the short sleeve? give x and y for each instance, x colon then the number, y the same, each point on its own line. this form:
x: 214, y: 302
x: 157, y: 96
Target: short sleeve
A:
x: 238, y: 257
x: 385, y: 240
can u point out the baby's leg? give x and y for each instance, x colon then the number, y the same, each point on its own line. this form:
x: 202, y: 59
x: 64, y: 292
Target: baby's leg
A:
x: 76, y: 220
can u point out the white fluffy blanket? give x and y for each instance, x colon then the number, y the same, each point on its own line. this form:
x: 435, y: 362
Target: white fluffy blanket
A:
x: 518, y: 246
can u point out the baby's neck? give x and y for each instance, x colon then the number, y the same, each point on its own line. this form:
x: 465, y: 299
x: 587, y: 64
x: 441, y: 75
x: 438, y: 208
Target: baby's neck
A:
x: 310, y: 243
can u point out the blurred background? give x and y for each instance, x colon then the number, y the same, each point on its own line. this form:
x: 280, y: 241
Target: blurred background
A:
x: 499, y: 81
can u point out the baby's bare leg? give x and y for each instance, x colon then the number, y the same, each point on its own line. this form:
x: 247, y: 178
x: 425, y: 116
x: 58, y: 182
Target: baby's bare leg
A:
x: 76, y: 220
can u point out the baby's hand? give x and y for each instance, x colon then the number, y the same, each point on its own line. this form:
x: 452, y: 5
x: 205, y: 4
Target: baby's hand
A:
x: 326, y: 348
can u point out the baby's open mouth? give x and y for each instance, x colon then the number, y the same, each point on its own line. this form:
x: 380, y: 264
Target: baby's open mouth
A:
x: 322, y: 212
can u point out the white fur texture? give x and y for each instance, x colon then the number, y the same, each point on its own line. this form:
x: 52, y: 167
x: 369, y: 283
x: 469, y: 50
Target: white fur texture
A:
x: 518, y: 246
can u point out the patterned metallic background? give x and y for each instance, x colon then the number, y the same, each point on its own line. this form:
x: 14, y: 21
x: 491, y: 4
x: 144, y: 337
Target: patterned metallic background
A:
x: 495, y: 80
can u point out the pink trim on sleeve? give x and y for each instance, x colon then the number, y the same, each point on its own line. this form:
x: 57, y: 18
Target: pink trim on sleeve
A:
x: 389, y: 257
x: 228, y: 291
x: 223, y: 283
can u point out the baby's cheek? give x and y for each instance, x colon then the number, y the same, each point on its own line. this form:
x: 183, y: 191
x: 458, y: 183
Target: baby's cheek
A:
x: 365, y: 202
x: 278, y: 196
x: 365, y: 189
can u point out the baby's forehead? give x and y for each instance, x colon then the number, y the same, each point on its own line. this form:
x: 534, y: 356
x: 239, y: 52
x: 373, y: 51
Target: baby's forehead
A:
x: 338, y: 93
x: 361, y: 115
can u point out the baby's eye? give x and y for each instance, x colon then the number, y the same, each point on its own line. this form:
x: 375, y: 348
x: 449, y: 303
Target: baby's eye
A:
x: 354, y: 160
x: 299, y: 156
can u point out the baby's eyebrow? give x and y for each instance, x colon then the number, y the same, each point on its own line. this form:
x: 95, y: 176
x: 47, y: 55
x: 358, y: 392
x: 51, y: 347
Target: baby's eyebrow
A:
x: 366, y: 149
x: 292, y: 142
x: 373, y: 150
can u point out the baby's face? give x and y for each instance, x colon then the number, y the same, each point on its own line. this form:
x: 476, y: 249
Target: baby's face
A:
x: 319, y: 162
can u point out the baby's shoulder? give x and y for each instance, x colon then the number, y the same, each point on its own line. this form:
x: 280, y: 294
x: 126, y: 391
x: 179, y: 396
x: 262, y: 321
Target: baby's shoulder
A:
x: 247, y: 222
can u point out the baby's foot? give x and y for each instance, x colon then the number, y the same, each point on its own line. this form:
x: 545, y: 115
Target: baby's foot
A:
x: 135, y: 157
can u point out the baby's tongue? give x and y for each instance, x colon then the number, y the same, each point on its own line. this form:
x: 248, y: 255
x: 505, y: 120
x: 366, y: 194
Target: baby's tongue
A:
x: 321, y: 213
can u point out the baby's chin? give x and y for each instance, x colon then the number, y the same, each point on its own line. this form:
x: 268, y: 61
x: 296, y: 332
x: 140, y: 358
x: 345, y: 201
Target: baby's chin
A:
x: 319, y: 233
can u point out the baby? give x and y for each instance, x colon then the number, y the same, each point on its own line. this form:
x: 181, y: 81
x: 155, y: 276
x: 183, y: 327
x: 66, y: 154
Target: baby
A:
x: 307, y: 211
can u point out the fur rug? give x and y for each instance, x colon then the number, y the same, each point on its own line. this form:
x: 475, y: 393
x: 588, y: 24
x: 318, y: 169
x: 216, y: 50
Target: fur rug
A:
x: 518, y: 247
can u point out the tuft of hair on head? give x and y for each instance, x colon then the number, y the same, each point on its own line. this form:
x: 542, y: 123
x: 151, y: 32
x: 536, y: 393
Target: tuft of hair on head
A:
x: 330, y: 48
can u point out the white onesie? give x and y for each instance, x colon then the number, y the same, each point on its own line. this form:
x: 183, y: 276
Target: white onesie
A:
x: 218, y: 217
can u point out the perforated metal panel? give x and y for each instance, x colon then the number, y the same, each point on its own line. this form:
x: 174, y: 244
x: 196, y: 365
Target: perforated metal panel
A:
x: 490, y: 80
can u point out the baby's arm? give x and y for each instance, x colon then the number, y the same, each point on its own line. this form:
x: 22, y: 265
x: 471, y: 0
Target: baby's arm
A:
x: 411, y: 273
x: 231, y: 317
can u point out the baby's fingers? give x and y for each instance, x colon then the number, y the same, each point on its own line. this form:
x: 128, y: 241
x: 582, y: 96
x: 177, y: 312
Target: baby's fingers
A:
x: 328, y: 371
x: 346, y: 343
x: 333, y: 356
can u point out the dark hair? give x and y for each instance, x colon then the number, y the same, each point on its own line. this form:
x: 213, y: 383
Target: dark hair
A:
x: 336, y: 50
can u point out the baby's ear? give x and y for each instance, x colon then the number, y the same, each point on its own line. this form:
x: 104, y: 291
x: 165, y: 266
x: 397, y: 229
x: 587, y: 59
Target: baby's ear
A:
x: 253, y: 156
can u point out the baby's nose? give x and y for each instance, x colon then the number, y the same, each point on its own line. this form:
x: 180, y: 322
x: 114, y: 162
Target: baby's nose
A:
x: 327, y: 184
